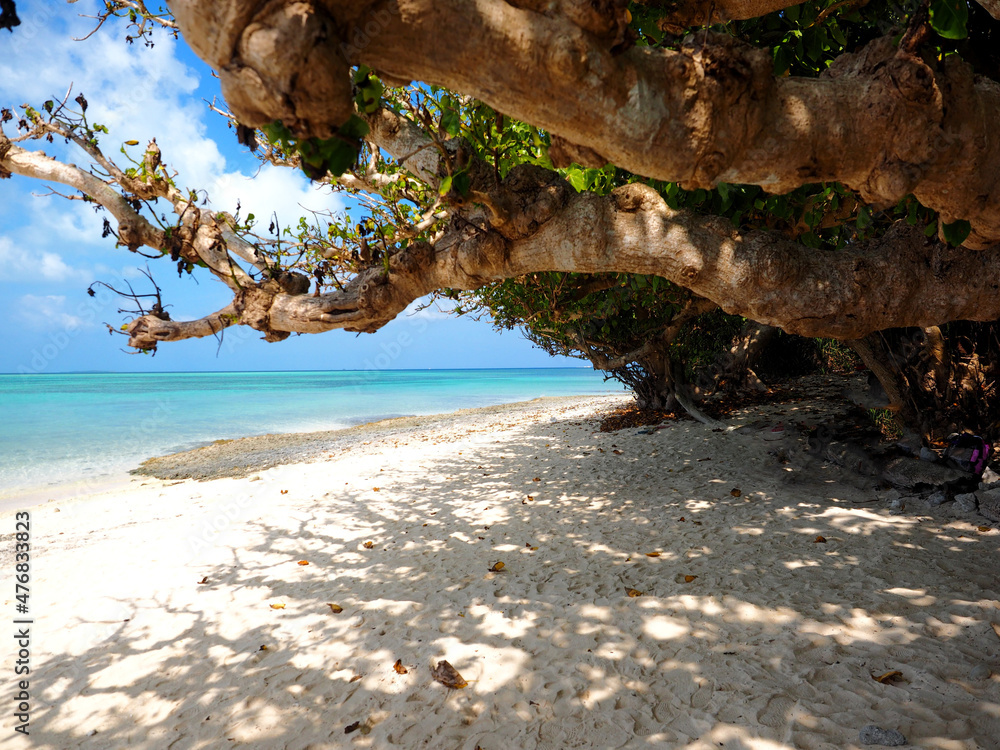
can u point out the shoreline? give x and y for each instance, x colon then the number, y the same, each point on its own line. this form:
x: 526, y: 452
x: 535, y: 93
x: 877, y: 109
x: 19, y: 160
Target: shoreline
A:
x: 222, y: 458
x: 248, y: 455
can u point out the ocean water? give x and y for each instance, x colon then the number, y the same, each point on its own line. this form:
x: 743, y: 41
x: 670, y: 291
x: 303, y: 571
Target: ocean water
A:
x: 58, y: 429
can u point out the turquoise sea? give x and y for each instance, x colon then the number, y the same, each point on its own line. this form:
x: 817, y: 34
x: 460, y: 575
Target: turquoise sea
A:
x: 66, y: 428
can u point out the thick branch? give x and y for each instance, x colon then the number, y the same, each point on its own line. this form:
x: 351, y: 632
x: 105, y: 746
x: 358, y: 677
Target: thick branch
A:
x: 687, y: 13
x: 133, y: 229
x: 883, y: 122
x: 992, y: 7
x: 902, y: 279
x: 148, y: 331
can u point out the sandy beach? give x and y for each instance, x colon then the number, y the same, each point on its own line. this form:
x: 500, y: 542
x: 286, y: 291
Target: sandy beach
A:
x: 671, y: 588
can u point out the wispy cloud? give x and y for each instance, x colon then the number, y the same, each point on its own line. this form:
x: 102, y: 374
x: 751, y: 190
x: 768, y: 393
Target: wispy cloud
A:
x: 20, y: 264
x: 47, y: 312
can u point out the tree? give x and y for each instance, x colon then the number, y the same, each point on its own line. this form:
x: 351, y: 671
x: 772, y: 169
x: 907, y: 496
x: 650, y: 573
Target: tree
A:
x: 827, y: 168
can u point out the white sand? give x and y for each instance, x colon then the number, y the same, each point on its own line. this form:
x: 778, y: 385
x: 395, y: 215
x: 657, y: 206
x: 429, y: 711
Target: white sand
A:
x: 772, y: 645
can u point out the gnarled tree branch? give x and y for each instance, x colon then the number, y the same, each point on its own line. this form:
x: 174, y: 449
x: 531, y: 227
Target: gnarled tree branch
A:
x: 883, y: 121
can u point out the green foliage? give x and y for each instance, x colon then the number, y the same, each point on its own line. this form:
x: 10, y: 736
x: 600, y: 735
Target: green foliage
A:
x: 949, y: 18
x: 956, y: 233
x: 321, y: 156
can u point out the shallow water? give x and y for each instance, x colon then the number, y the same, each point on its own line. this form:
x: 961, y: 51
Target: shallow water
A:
x: 67, y: 428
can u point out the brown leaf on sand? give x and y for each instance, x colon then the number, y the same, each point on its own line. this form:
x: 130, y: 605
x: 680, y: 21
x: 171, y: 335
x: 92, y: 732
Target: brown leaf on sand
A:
x: 653, y: 554
x: 368, y: 545
x: 448, y: 676
x: 354, y: 679
x: 633, y: 592
x: 735, y: 492
x: 888, y: 677
x: 617, y: 453
x: 335, y: 608
x: 537, y: 479
x: 398, y: 666
x: 284, y: 492
x: 985, y: 528
x: 688, y: 579
x: 819, y: 540
x: 374, y: 489
x: 303, y: 562
x: 203, y: 580
x: 278, y: 605
x: 352, y: 727
x: 496, y: 567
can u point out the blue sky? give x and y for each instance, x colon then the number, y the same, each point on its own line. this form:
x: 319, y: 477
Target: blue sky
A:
x: 51, y: 248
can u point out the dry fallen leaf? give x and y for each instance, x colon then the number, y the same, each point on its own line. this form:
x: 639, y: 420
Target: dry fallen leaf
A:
x: 688, y: 579
x: 537, y: 479
x: 335, y: 608
x: 653, y: 554
x: 279, y: 605
x: 398, y: 666
x: 354, y: 679
x: 888, y: 676
x: 530, y: 498
x: 204, y: 580
x: 303, y: 562
x: 681, y: 518
x: 617, y: 453
x: 352, y: 727
x: 374, y: 489
x: 633, y: 592
x: 263, y: 648
x: 819, y: 540
x: 448, y: 676
x: 284, y: 492
x: 368, y: 545
x: 735, y: 492
x: 985, y: 528
x: 497, y: 567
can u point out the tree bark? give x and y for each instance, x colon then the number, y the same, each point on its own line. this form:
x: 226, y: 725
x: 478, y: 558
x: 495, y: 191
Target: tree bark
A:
x: 883, y: 121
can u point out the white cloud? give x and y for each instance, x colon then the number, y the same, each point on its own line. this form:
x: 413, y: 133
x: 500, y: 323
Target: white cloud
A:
x: 19, y: 264
x: 137, y: 92
x: 285, y: 192
x: 47, y: 313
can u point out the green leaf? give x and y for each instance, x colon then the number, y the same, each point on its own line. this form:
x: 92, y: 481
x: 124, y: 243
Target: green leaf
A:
x: 354, y: 128
x: 957, y: 232
x: 575, y: 177
x: 445, y: 187
x: 462, y: 183
x: 864, y: 218
x: 949, y: 18
x: 451, y: 123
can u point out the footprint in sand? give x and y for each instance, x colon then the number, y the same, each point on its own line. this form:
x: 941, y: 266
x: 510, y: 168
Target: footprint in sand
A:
x: 775, y: 713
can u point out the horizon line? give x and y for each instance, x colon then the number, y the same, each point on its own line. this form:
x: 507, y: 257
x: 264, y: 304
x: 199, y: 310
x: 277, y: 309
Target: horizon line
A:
x: 236, y: 372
